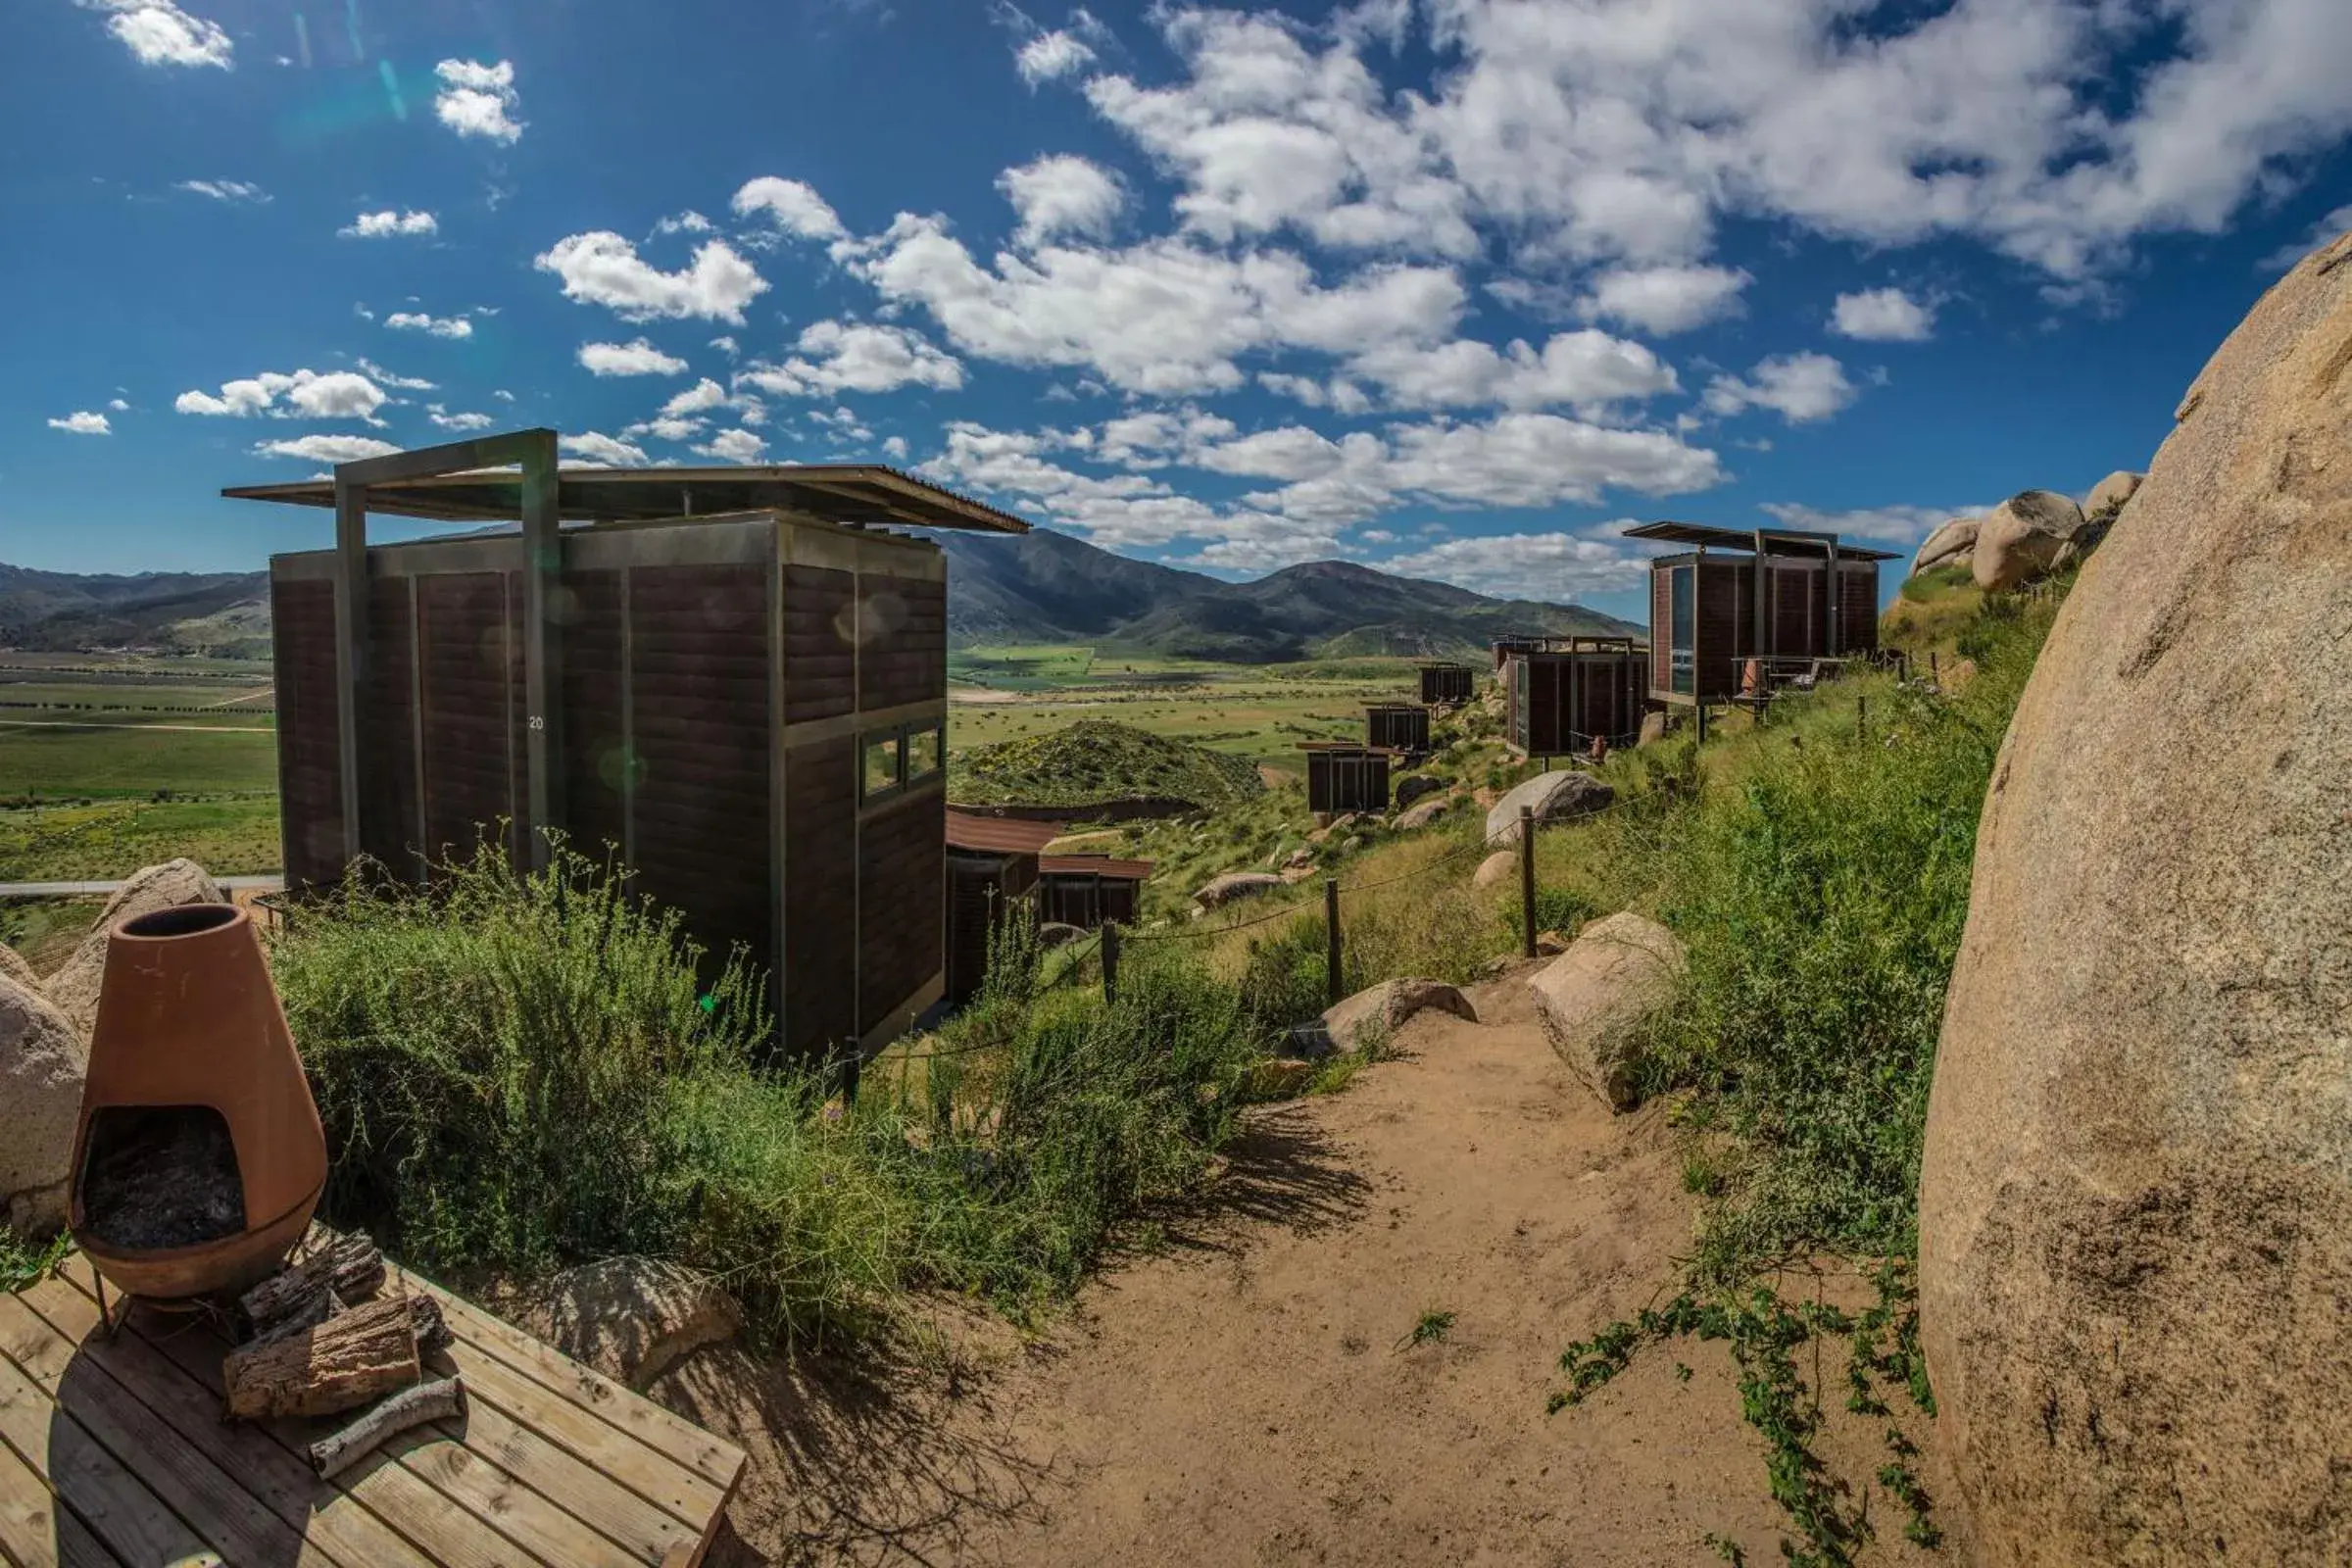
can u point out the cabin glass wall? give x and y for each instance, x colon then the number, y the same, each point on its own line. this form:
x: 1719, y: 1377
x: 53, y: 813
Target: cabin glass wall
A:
x: 1683, y: 629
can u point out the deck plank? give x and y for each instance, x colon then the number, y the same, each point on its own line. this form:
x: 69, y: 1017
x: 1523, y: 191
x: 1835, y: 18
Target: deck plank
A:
x: 277, y: 1479
x: 77, y: 1469
x: 649, y: 1534
x: 216, y: 1506
x: 35, y: 1532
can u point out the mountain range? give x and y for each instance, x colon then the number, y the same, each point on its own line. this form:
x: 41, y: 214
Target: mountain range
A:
x: 1038, y: 587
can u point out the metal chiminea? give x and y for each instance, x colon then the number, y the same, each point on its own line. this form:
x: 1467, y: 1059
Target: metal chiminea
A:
x: 197, y: 1158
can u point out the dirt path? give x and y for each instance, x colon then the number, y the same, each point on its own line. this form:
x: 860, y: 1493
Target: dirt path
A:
x: 1250, y: 1394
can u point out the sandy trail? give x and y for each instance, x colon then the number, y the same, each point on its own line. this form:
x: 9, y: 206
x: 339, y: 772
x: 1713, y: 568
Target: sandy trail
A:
x: 1246, y: 1393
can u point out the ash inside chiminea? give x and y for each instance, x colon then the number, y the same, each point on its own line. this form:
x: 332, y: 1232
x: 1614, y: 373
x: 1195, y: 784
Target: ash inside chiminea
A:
x: 159, y: 1176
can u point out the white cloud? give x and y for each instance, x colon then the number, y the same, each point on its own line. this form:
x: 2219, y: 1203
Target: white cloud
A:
x: 1666, y: 300
x: 1589, y: 370
x: 836, y: 356
x: 726, y: 344
x: 398, y: 383
x: 478, y: 100
x: 1801, y: 388
x: 2320, y: 233
x: 82, y: 422
x: 459, y: 421
x: 327, y: 448
x: 119, y: 405
x: 604, y: 451
x: 158, y: 32
x: 600, y: 268
x: 1882, y: 315
x: 502, y: 395
x: 667, y: 427
x: 378, y: 225
x: 1893, y: 526
x: 895, y: 449
x: 637, y: 357
x: 1051, y: 56
x: 1552, y: 566
x: 688, y: 221
x: 457, y: 326
x: 734, y: 446
x: 794, y: 207
x: 704, y: 395
x: 1062, y: 194
x: 308, y: 394
x: 225, y: 190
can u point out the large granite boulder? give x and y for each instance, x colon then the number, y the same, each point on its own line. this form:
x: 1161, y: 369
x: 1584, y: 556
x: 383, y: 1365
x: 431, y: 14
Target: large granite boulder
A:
x: 1496, y: 869
x: 2135, y: 1217
x: 2021, y: 539
x: 15, y: 966
x: 1220, y: 890
x: 632, y: 1318
x: 1375, y: 1013
x: 2108, y: 497
x: 42, y: 1063
x: 1594, y: 997
x: 1553, y: 797
x: 75, y: 985
x: 1422, y: 815
x: 1413, y: 787
x: 1952, y: 541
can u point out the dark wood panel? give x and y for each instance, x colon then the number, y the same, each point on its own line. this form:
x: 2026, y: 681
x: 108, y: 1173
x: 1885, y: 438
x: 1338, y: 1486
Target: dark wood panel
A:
x: 310, y: 800
x: 1858, y: 587
x: 1661, y: 628
x: 1345, y: 781
x: 901, y: 855
x: 821, y: 889
x: 468, y: 749
x: 1724, y: 618
x: 902, y: 635
x: 595, y: 742
x: 390, y: 830
x: 820, y: 661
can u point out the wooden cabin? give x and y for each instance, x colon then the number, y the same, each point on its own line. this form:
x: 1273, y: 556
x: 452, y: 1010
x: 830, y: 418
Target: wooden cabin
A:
x: 1443, y: 684
x: 991, y: 878
x: 1738, y: 612
x: 731, y: 680
x: 1561, y: 696
x: 1090, y: 890
x: 1341, y: 776
x: 1398, y: 727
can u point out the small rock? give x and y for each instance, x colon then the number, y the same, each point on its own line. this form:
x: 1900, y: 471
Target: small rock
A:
x: 1413, y: 786
x: 1293, y: 875
x: 1420, y: 816
x: 1383, y: 1008
x: 14, y: 967
x: 1302, y: 856
x: 42, y: 1065
x: 1653, y: 728
x: 1281, y: 1078
x: 1551, y: 943
x: 1352, y: 843
x: 1592, y: 997
x: 1553, y: 797
x: 632, y: 1318
x: 1223, y: 889
x: 1496, y: 869
x: 74, y: 986
x: 1055, y: 934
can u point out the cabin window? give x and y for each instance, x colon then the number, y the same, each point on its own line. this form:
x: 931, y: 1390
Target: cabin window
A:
x: 923, y: 750
x: 893, y: 759
x: 880, y: 773
x: 1681, y: 635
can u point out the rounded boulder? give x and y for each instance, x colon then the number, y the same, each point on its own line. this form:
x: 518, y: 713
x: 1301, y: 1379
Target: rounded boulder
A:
x: 42, y: 1065
x: 2020, y: 539
x: 1553, y: 797
x: 2135, y: 1211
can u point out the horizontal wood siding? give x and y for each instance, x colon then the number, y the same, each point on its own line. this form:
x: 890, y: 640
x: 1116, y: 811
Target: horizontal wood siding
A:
x: 820, y: 649
x: 900, y: 853
x: 699, y: 689
x: 1858, y: 586
x: 1344, y: 781
x: 469, y: 752
x: 596, y: 743
x: 518, y: 714
x: 820, y: 886
x: 903, y: 636
x: 1407, y: 729
x: 390, y: 832
x: 309, y: 801
x: 1799, y: 606
x: 983, y: 891
x: 1724, y: 616
x: 1445, y: 683
x: 1661, y: 628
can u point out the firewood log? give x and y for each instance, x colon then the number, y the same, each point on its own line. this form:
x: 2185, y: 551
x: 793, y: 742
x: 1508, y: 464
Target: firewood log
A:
x: 425, y: 1321
x: 348, y: 1270
x: 329, y: 1366
x: 437, y: 1400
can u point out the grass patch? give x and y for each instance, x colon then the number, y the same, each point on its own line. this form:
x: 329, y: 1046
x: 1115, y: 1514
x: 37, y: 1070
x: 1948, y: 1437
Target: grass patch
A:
x: 1096, y: 761
x: 24, y: 1263
x: 131, y: 759
x: 226, y: 835
x: 1430, y: 1328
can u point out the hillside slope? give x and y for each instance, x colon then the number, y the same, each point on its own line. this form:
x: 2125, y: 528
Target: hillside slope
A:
x: 221, y: 613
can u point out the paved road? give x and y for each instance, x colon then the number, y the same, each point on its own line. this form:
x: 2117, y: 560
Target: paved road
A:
x: 73, y: 890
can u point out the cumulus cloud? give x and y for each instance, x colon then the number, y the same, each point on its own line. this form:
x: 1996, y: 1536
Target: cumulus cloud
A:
x: 82, y: 421
x: 380, y: 225
x: 895, y: 449
x: 1554, y: 565
x: 792, y: 205
x: 1589, y: 371
x: 1882, y: 315
x: 327, y: 448
x: 225, y: 190
x: 1904, y: 526
x: 1801, y: 388
x: 601, y: 267
x: 458, y: 421
x: 160, y: 34
x: 836, y: 356
x: 1051, y: 56
x: 457, y: 326
x: 1665, y: 300
x: 604, y: 451
x: 637, y: 357
x: 1062, y: 194
x: 393, y: 379
x: 2328, y: 228
x: 478, y: 99
x: 734, y: 446
x: 303, y: 394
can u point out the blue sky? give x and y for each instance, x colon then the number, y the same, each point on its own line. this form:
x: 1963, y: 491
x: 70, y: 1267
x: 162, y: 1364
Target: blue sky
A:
x: 1454, y: 288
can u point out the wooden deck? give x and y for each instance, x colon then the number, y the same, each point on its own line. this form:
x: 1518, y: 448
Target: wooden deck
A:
x: 112, y: 1453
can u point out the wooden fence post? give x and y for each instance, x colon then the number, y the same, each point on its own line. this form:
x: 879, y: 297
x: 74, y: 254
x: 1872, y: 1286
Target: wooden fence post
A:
x: 1331, y: 942
x: 1702, y: 722
x: 1111, y: 961
x: 1861, y: 718
x: 1527, y: 881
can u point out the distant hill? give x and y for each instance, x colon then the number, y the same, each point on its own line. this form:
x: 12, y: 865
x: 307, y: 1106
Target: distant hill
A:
x: 1038, y: 587
x: 1093, y: 762
x: 1046, y: 587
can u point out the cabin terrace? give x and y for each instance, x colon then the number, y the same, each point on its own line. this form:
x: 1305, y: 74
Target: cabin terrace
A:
x: 1739, y: 612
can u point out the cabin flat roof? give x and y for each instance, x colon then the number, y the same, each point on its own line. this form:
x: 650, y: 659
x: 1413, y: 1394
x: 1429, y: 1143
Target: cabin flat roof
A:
x: 1000, y: 835
x: 1096, y: 865
x: 1780, y: 541
x: 839, y: 492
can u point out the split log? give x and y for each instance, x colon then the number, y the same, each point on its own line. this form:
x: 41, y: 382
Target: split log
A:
x: 343, y: 1273
x: 441, y: 1398
x: 425, y: 1322
x: 329, y: 1366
